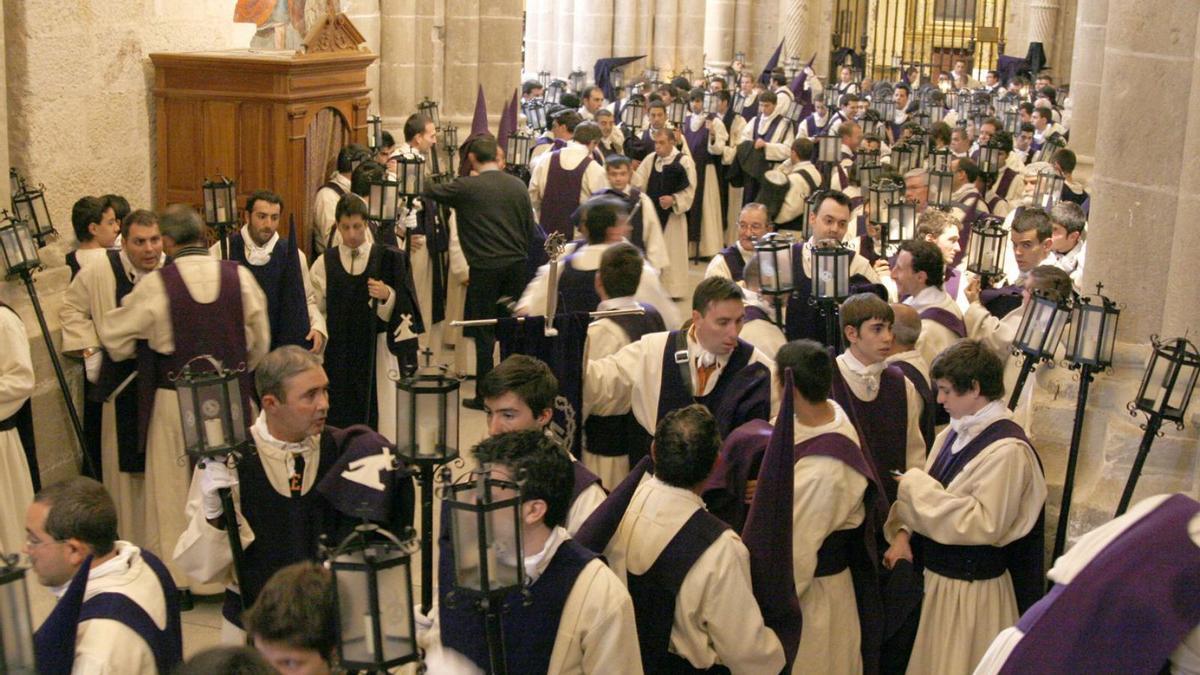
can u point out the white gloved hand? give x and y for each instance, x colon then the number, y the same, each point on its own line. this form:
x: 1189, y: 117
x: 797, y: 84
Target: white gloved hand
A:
x: 424, y: 622
x: 213, y: 477
x: 91, y: 366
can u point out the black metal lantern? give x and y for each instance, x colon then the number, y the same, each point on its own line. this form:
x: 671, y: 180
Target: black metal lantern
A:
x: 730, y: 76
x: 833, y: 100
x: 633, y: 113
x: 616, y: 78
x: 427, y: 408
x: 1164, y: 395
x: 881, y: 196
x: 902, y: 158
x: 939, y: 160
x: 1049, y: 147
x: 922, y: 119
x: 986, y: 248
x: 372, y: 588
x: 1048, y: 189
x: 555, y: 91
x: 1012, y: 121
x: 792, y: 114
x: 963, y: 107
x: 676, y: 112
x: 773, y: 253
x: 686, y: 74
x: 210, y: 409
x: 868, y: 174
x: 449, y: 139
x: 650, y: 74
x: 535, y: 115
x: 920, y: 146
x: 710, y: 102
x: 410, y: 174
x: 29, y: 205
x: 1091, y: 337
x: 866, y: 158
x: 16, y: 626
x: 578, y: 80
x: 20, y: 250
x: 989, y: 158
x: 831, y: 271
x: 485, y: 528
x: 544, y: 77
x: 429, y: 110
x: 950, y: 100
x: 1042, y: 323
x: 901, y: 224
x: 886, y: 108
x: 383, y: 198
x: 517, y: 148
x: 220, y: 203
x: 740, y: 57
x: 936, y: 113
x: 791, y: 67
x: 829, y: 149
x: 375, y: 133
x: 941, y: 189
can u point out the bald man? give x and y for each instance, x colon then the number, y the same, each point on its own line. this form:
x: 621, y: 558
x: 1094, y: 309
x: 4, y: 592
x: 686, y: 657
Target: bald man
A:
x: 906, y: 329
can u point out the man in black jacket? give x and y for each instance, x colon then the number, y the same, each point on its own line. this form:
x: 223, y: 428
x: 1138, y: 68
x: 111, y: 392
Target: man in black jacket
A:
x: 495, y: 224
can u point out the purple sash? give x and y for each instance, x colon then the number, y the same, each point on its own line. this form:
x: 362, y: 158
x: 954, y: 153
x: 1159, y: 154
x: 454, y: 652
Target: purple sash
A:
x: 944, y: 317
x: 283, y: 284
x: 928, y: 395
x: 882, y: 423
x: 698, y: 145
x: 742, y: 391
x: 734, y: 261
x: 584, y: 479
x: 1127, y: 610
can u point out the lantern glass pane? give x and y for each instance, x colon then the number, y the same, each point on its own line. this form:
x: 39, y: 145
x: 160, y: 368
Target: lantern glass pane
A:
x: 214, y: 422
x: 501, y: 547
x: 429, y: 426
x: 210, y: 204
x: 41, y: 215
x: 1110, y: 336
x: 828, y: 149
x: 187, y: 419
x: 1083, y: 338
x: 23, y: 208
x: 358, y: 624
x: 395, y: 607
x: 1157, y: 382
x: 354, y: 608
x: 16, y: 632
x: 775, y: 269
x: 226, y: 209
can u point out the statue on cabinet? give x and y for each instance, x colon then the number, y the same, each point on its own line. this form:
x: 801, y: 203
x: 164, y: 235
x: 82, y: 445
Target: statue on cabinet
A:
x: 283, y: 24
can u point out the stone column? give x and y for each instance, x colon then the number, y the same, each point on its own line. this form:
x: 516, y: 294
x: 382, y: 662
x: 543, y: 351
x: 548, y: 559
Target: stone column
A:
x: 743, y: 28
x: 666, y: 27
x: 1140, y: 193
x: 1042, y: 24
x: 689, y: 51
x: 719, y: 24
x: 364, y: 14
x: 564, y: 34
x: 795, y: 27
x: 1087, y: 71
x: 397, y: 95
x: 593, y: 34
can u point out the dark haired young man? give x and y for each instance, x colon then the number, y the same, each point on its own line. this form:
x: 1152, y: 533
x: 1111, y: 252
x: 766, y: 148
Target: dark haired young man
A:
x: 563, y: 178
x: 687, y: 571
x: 1068, y: 245
x: 325, y: 201
x: 118, y: 610
x: 705, y: 136
x: 705, y: 364
x: 614, y: 443
x: 669, y: 178
x: 644, y: 228
x: 578, y: 618
x: 883, y: 404
x: 972, y: 517
x: 294, y: 623
x: 96, y: 290
x: 769, y: 132
x: 348, y: 280
x: 281, y: 269
x: 519, y: 395
x: 918, y: 273
x: 96, y: 231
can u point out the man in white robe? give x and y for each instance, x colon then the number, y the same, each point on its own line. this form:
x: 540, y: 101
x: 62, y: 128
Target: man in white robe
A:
x: 752, y: 224
x: 619, y: 171
x: 700, y: 126
x: 145, y: 314
x: 802, y: 178
x: 86, y: 304
x: 918, y: 274
x: 993, y: 499
x: 326, y: 199
x: 16, y: 386
x: 675, y: 204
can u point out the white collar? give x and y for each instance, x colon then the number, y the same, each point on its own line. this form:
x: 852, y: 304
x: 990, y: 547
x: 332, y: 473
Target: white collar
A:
x: 927, y: 297
x: 911, y: 356
x: 624, y: 302
x: 684, y: 493
x: 967, y: 428
x: 756, y: 300
x: 120, y: 562
x: 803, y: 433
x: 663, y: 161
x: 701, y: 356
x: 276, y: 449
x: 868, y: 375
x: 255, y: 254
x: 538, y: 562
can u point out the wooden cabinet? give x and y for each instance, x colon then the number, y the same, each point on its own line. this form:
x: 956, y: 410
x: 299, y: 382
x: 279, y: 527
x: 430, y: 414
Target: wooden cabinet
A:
x: 268, y: 120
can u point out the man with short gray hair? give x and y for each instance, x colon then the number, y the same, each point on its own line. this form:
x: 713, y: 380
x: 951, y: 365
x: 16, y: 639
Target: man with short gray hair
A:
x: 282, y: 516
x: 753, y: 223
x: 197, y: 306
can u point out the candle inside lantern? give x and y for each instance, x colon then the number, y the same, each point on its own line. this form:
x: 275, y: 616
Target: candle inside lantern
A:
x: 220, y: 212
x: 426, y: 440
x: 214, y: 432
x: 369, y: 633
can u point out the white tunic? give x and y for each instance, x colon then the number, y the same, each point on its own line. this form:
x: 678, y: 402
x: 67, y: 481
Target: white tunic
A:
x: 325, y: 210
x: 1185, y: 658
x: 716, y: 618
x: 16, y: 386
x: 675, y: 277
x: 145, y: 314
x: 728, y: 153
x: 86, y: 303
x: 597, y: 632
x: 779, y: 144
x: 827, y: 496
x: 712, y: 221
x: 105, y: 646
x: 606, y: 337
x: 995, y: 500
x: 934, y: 336
x: 631, y: 379
x: 569, y: 157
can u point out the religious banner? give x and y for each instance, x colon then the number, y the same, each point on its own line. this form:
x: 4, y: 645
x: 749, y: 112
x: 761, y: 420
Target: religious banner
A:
x: 564, y: 354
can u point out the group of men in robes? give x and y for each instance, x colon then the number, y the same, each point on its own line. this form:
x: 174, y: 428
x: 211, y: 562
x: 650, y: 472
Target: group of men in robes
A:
x: 916, y: 499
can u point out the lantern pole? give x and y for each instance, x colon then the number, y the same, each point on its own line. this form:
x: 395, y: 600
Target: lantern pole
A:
x: 72, y: 411
x: 1026, y: 368
x: 1153, y: 424
x: 1060, y: 535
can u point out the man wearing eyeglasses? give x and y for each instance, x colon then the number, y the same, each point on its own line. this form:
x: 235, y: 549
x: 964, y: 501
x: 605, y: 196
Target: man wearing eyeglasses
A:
x: 752, y: 224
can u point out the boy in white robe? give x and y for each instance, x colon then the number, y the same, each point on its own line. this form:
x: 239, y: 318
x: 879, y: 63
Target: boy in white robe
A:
x: 675, y: 204
x: 16, y: 386
x: 966, y: 509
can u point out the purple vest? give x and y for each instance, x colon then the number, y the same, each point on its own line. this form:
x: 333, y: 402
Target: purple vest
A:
x: 928, y: 395
x: 584, y: 479
x: 882, y: 423
x: 530, y: 619
x: 637, y: 236
x: 216, y: 328
x: 655, y: 591
x: 286, y: 529
x: 1023, y: 558
x: 112, y: 375
x: 1003, y: 184
x: 673, y: 178
x: 621, y: 435
x: 283, y: 284
x: 771, y: 128
x: 576, y: 287
x: 1127, y: 610
x: 561, y: 195
x: 742, y: 391
x: 734, y: 261
x: 945, y: 318
x: 698, y: 144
